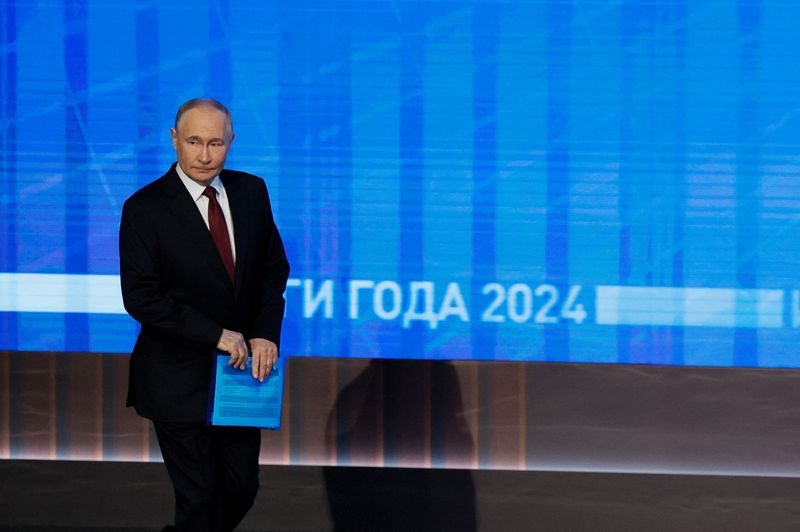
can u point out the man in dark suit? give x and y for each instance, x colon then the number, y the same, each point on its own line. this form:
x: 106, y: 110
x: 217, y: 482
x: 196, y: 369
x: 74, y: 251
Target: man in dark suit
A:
x: 202, y: 266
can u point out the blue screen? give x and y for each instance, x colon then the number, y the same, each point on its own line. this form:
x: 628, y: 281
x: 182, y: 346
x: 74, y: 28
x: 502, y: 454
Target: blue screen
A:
x: 537, y: 181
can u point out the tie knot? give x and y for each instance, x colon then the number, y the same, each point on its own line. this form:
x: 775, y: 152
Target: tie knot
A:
x: 210, y: 192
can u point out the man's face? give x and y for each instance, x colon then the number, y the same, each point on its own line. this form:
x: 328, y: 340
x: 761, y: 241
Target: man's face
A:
x: 202, y: 140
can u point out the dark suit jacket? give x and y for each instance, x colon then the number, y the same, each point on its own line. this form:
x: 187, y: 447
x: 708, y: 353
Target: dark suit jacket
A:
x: 175, y: 284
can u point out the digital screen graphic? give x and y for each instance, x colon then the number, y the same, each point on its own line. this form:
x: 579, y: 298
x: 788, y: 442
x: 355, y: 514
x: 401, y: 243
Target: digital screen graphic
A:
x: 567, y: 181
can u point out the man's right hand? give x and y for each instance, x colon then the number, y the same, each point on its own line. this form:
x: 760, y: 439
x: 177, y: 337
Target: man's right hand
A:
x: 233, y: 342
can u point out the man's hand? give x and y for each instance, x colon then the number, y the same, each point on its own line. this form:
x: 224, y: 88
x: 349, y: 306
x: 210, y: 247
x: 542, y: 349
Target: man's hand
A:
x: 233, y: 342
x: 265, y: 355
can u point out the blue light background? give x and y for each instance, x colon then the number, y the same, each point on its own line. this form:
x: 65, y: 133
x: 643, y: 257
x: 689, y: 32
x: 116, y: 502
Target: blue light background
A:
x: 541, y: 142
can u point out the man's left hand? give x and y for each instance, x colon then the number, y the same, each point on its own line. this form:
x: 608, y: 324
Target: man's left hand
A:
x: 265, y: 355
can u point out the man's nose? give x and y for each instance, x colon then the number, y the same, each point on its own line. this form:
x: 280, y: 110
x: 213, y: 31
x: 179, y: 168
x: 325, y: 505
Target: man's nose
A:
x: 205, y: 155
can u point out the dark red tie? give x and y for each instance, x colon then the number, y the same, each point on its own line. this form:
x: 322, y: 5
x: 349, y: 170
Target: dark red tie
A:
x: 219, y: 230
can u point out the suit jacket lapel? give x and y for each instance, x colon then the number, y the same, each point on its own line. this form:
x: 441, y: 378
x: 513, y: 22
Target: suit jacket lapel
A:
x: 238, y: 202
x: 197, y: 233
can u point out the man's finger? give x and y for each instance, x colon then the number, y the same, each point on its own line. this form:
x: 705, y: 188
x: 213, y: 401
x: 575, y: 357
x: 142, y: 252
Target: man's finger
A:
x: 239, y: 356
x: 273, y: 361
x: 258, y: 364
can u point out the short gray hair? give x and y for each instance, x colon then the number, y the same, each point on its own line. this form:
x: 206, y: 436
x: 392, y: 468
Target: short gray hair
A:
x: 204, y: 102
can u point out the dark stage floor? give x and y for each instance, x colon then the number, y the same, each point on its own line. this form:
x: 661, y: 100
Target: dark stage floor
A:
x: 87, y: 496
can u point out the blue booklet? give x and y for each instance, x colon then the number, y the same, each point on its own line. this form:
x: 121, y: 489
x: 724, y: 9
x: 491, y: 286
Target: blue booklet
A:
x: 237, y: 399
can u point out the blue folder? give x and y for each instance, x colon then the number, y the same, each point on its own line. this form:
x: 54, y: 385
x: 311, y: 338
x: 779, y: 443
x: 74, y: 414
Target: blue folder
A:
x: 237, y: 399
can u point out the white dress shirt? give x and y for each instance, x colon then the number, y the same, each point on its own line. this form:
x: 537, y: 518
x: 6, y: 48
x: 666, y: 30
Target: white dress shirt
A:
x: 196, y: 191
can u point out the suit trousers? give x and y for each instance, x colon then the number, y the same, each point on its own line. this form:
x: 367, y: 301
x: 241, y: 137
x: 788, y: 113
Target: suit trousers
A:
x: 214, y: 472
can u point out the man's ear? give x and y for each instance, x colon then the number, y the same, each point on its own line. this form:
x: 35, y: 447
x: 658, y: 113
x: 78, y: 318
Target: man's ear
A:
x: 174, y: 134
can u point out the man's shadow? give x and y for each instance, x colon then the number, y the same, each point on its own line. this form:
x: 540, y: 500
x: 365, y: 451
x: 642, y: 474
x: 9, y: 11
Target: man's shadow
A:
x: 401, y: 413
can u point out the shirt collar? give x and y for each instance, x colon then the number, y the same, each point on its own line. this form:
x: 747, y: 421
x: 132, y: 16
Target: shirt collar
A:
x: 196, y: 189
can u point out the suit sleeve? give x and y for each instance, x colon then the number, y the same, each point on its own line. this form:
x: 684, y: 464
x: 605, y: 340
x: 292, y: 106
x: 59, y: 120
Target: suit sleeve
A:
x: 275, y: 273
x: 142, y: 293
